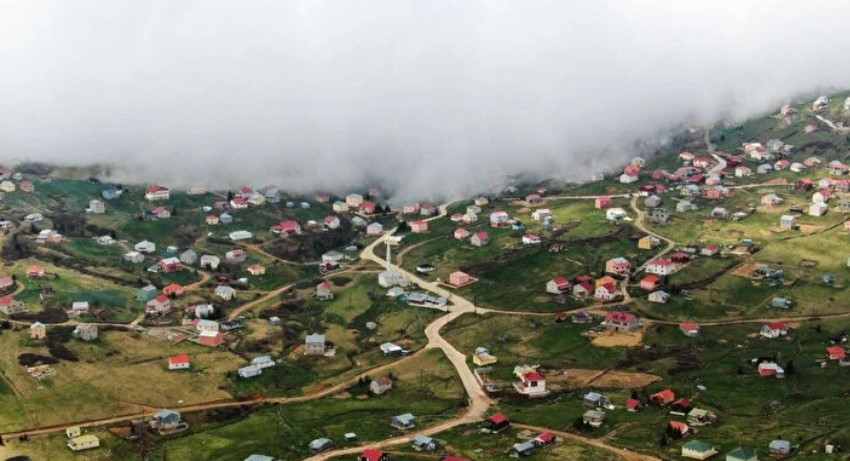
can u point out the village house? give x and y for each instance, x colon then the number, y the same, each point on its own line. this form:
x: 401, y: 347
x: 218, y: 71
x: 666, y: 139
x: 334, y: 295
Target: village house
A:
x: 256, y: 269
x: 650, y: 283
x: 499, y: 219
x: 189, y: 257
x: 583, y: 290
x: 462, y: 234
x: 480, y: 239
x: 202, y: 325
x: 288, y: 227
x: 496, y: 423
x: 649, y: 242
x: 419, y: 226
x: 179, y: 362
x: 323, y: 291
x: 241, y: 235
x: 696, y: 449
x: 469, y: 218
x: 779, y: 447
x: 405, y: 421
x: 211, y: 338
x: 225, y: 292
x: 773, y: 330
x: 822, y: 196
x: 621, y: 321
x: 780, y: 302
x: 482, y: 357
x: 684, y: 206
x: 225, y: 218
x: 161, y: 212
x: 618, y: 266
x: 689, y: 329
x: 652, y: 201
x: 381, y: 385
x: 11, y: 306
x: 239, y: 203
x: 340, y: 207
x: 166, y: 420
x: 314, y: 344
x: 818, y: 209
x: 836, y: 353
x: 354, y: 200
x: 596, y: 400
x: 606, y: 292
x: 788, y: 222
x: 459, y: 278
x: 7, y: 186
x: 169, y: 265
x: 6, y: 282
x: 145, y: 247
x: 374, y: 228
x: 96, y: 207
x: 332, y: 222
x: 236, y: 256
x: 534, y: 199
x: 160, y: 305
x: 616, y: 214
x: 173, y: 290
x: 372, y: 455
x: 658, y: 297
x: 532, y: 384
x: 38, y: 331
x: 710, y: 249
x: 83, y: 442
x: 35, y: 272
x: 157, y: 192
x: 661, y: 266
x: 540, y: 214
x: 743, y: 171
x: 77, y: 309
x: 530, y: 239
x: 603, y: 202
x: 210, y: 261
x: 771, y: 200
x: 558, y: 285
x: 111, y: 193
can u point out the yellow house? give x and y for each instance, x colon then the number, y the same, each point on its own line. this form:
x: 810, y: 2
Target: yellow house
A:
x: 38, y: 331
x: 7, y: 186
x: 648, y: 243
x: 83, y: 442
x: 256, y: 269
x: 607, y: 279
x: 73, y: 431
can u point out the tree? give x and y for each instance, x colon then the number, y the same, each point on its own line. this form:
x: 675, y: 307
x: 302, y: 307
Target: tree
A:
x: 230, y: 195
x: 790, y: 369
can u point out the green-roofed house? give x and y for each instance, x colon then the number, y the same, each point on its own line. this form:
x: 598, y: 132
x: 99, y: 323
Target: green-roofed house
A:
x: 146, y: 293
x: 741, y: 454
x: 697, y: 449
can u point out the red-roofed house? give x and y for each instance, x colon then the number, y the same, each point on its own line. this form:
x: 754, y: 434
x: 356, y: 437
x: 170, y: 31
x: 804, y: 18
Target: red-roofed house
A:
x: 663, y: 398
x: 35, y: 272
x: 633, y: 404
x: 322, y: 197
x: 582, y: 290
x: 546, y: 438
x: 374, y: 455
x: 679, y: 427
x: 774, y: 330
x: 534, y: 199
x: 160, y: 305
x: 650, y: 282
x: 211, y: 338
x: 558, y: 285
x: 661, y: 266
x: 701, y: 162
x: 419, y: 226
x: 836, y: 353
x: 332, y: 222
x: 496, y: 423
x: 606, y: 292
x: 603, y: 202
x: 621, y: 321
x: 323, y: 291
x: 11, y: 306
x: 179, y: 362
x: 6, y: 282
x: 173, y: 290
x: 239, y: 203
x: 212, y: 220
x: 532, y: 384
x: 288, y: 227
x: 480, y: 239
x: 689, y: 329
x: 367, y: 207
x: 156, y: 192
x: 710, y: 249
x: 530, y: 239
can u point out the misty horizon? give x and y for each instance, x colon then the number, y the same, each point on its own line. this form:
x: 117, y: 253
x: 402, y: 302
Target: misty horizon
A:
x: 430, y: 100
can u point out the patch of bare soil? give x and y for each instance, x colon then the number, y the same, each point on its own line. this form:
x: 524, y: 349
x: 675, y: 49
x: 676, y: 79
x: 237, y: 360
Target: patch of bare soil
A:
x: 747, y: 270
x: 576, y: 378
x: 776, y: 182
x: 617, y: 339
x: 808, y: 228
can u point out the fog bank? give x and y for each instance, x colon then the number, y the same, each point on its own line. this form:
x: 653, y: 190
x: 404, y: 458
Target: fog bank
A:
x: 431, y: 99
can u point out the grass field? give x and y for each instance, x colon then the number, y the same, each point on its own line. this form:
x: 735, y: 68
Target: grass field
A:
x: 286, y: 431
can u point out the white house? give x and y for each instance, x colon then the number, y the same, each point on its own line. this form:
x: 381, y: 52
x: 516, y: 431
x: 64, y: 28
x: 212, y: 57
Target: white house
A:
x: 241, y: 235
x: 615, y: 214
x: 145, y: 247
x: 661, y: 266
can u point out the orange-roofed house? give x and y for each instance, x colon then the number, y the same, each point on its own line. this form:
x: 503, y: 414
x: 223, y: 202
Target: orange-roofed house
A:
x: 663, y: 398
x: 173, y: 291
x: 650, y: 282
x: 256, y: 269
x: 160, y: 305
x: 689, y: 329
x: 35, y: 272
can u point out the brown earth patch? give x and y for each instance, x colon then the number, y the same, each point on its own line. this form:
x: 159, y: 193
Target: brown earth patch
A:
x: 808, y: 228
x: 576, y: 378
x: 617, y: 339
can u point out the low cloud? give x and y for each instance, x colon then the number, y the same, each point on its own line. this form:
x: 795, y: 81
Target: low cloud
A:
x: 429, y: 99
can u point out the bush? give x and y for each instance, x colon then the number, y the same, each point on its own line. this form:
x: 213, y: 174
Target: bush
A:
x: 29, y: 359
